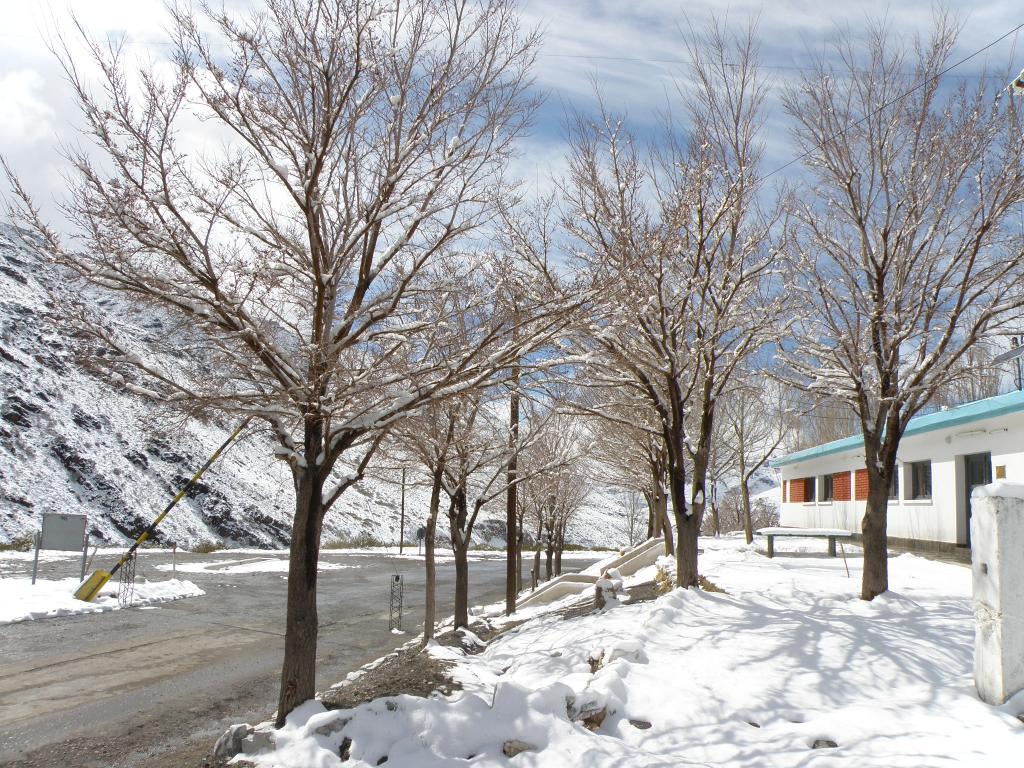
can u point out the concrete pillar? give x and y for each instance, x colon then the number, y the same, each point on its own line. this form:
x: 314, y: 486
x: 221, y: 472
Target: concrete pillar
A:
x: 997, y: 543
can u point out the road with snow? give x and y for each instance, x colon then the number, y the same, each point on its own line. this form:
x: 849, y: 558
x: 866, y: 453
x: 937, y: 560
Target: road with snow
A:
x: 156, y: 686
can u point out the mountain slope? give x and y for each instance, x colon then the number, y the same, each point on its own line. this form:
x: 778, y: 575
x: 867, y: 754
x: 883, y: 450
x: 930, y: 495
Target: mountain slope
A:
x: 72, y: 442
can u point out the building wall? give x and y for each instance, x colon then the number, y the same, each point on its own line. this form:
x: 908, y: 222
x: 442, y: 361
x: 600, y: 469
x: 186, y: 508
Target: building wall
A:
x: 942, y: 518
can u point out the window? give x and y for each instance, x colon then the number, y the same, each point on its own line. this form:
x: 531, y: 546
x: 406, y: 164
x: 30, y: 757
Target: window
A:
x: 826, y: 488
x: 894, y: 483
x: 921, y: 480
x: 808, y: 489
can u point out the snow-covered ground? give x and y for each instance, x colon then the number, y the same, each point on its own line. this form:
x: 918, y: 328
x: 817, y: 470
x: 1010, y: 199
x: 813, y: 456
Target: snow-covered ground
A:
x: 21, y: 600
x: 784, y: 665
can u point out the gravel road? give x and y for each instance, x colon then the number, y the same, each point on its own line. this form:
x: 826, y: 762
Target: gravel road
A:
x: 155, y: 686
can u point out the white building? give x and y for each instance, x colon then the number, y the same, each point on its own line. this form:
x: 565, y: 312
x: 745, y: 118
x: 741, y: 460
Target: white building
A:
x: 942, y: 456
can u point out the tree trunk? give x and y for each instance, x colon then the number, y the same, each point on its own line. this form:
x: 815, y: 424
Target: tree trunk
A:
x: 873, y: 528
x: 298, y: 671
x: 686, y: 537
x: 748, y: 526
x: 559, y: 546
x: 661, y: 499
x: 536, y: 565
x: 687, y: 531
x: 653, y: 528
x: 460, y: 547
x: 549, y: 554
x: 430, y: 564
x: 519, y: 562
x: 461, y: 587
x: 511, y: 534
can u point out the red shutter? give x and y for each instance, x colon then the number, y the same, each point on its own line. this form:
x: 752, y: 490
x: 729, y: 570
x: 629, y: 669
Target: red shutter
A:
x: 860, y: 490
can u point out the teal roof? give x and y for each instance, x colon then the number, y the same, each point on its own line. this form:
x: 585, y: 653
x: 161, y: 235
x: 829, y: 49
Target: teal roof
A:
x: 990, y: 407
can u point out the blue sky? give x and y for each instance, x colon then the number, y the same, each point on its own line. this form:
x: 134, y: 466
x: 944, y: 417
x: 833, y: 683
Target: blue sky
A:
x: 633, y: 49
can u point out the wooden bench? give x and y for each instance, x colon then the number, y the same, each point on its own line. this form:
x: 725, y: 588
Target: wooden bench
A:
x: 805, y: 533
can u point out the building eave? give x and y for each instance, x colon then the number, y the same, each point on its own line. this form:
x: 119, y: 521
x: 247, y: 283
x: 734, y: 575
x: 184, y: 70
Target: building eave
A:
x: 968, y: 413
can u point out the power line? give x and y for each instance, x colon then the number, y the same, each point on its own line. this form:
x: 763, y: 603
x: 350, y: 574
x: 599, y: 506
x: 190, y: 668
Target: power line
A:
x: 690, y: 62
x: 794, y: 160
x: 895, y: 99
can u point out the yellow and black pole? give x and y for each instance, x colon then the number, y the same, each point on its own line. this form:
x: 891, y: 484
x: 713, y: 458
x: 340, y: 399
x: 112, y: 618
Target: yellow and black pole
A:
x: 91, y: 587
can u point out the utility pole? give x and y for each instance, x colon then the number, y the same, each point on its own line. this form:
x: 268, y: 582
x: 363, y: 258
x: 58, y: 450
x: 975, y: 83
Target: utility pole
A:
x: 401, y: 525
x: 511, y: 528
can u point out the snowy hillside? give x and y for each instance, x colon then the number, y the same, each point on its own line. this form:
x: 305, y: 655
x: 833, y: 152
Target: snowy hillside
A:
x: 72, y: 442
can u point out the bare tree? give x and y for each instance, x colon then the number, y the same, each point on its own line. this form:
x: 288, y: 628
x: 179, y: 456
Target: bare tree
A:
x: 906, y: 241
x: 630, y: 450
x: 557, y: 485
x: 632, y: 519
x: 526, y: 234
x: 754, y: 419
x: 818, y: 418
x: 721, y: 469
x: 476, y: 472
x: 363, y: 139
x: 688, y: 279
x: 976, y: 376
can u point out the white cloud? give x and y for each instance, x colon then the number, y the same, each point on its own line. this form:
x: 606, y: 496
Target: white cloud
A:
x: 634, y: 49
x: 25, y: 118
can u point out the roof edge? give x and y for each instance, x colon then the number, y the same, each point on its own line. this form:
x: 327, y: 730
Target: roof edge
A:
x: 976, y: 410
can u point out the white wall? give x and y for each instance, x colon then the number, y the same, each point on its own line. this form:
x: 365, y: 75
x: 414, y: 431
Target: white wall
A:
x: 943, y: 517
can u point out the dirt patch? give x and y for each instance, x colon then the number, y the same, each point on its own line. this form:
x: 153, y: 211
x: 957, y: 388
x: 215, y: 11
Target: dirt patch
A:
x: 709, y: 586
x: 409, y: 671
x: 643, y: 593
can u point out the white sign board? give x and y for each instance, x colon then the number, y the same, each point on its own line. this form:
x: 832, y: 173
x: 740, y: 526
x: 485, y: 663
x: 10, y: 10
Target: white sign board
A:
x: 65, y: 532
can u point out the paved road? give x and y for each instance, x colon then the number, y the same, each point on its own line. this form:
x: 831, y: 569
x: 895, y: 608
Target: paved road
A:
x: 155, y: 687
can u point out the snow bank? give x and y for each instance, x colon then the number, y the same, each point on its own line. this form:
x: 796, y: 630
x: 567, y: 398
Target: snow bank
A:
x: 23, y: 600
x: 1003, y: 488
x: 788, y: 668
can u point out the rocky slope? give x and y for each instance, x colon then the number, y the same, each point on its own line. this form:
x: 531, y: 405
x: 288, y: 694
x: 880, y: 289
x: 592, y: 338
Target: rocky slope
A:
x: 72, y: 442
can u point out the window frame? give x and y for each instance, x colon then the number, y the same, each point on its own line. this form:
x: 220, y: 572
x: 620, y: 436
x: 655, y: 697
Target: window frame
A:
x: 920, y: 471
x: 826, y: 485
x: 810, y: 493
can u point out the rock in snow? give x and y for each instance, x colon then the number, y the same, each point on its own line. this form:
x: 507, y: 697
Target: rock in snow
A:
x: 230, y: 744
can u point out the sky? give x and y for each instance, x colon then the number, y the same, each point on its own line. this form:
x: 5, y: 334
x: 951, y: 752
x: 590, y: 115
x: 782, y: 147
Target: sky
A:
x: 632, y: 48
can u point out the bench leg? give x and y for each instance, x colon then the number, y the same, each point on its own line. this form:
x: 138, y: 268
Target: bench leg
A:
x: 771, y: 546
x: 831, y: 546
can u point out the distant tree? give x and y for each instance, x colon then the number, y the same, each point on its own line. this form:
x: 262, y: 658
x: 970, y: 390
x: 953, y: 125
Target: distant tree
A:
x: 819, y: 418
x: 909, y: 244
x: 629, y: 452
x: 632, y: 517
x: 558, y: 486
x: 680, y: 244
x: 722, y: 468
x: 362, y: 140
x: 755, y: 420
x: 475, y: 474
x: 976, y: 376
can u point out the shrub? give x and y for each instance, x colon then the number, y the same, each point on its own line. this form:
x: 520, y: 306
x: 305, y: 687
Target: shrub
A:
x: 206, y: 547
x: 363, y: 540
x: 20, y: 544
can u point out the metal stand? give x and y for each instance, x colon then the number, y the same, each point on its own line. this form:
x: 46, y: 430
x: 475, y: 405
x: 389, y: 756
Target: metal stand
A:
x: 85, y: 555
x: 395, y: 613
x: 35, y: 562
x: 126, y: 585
